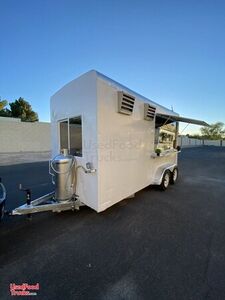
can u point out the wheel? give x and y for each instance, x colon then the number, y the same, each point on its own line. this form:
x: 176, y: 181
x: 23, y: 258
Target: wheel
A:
x: 165, y: 180
x: 174, y: 176
x: 2, y: 210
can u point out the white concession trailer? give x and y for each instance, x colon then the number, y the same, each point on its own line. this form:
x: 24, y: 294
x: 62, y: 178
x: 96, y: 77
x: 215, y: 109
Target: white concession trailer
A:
x: 108, y: 142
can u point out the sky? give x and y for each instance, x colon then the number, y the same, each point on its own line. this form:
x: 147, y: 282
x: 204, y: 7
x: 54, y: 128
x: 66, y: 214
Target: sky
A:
x: 172, y: 52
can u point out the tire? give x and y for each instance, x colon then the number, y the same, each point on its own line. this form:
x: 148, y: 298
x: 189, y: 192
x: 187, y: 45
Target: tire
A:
x: 174, y: 176
x: 165, y: 180
x: 2, y: 210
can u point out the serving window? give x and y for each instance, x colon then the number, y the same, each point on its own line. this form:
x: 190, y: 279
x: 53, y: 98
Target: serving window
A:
x: 165, y: 136
x: 71, y: 135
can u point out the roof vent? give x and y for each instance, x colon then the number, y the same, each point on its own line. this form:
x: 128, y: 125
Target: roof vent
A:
x: 149, y: 112
x: 125, y: 103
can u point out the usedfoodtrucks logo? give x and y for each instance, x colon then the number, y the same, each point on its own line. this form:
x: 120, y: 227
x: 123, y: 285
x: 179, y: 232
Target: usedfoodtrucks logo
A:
x: 24, y: 289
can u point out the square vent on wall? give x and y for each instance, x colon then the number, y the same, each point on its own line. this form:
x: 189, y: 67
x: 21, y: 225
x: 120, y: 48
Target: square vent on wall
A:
x: 149, y: 112
x: 125, y: 103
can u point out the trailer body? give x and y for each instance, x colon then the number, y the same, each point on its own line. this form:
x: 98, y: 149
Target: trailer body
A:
x: 85, y: 118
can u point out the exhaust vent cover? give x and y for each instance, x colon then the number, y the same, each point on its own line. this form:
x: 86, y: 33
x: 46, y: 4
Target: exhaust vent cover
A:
x: 125, y: 103
x: 149, y: 112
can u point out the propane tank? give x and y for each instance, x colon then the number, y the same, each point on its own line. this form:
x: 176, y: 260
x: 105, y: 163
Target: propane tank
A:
x: 64, y: 168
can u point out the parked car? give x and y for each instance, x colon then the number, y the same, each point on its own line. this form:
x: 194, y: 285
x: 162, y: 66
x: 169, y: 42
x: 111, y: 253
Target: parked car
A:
x: 2, y: 199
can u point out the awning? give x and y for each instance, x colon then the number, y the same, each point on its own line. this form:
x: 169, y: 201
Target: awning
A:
x: 162, y: 119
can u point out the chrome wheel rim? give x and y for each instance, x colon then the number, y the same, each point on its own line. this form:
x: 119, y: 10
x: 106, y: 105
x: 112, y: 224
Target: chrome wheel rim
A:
x: 175, y: 175
x: 166, y: 180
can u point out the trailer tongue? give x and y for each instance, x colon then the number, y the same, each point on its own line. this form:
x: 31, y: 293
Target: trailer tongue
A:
x: 63, y: 169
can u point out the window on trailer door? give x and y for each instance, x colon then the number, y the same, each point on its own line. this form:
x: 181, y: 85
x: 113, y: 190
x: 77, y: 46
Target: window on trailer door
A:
x: 71, y: 135
x: 75, y: 133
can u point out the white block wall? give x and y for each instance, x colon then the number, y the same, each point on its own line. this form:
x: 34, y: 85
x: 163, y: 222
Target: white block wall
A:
x: 24, y: 136
x: 185, y: 141
x: 213, y: 143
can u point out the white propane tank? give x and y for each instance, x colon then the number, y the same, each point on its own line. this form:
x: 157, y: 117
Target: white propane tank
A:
x: 64, y: 168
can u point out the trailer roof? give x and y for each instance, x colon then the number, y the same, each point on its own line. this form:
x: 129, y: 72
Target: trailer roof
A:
x: 162, y: 112
x: 111, y: 82
x: 161, y: 109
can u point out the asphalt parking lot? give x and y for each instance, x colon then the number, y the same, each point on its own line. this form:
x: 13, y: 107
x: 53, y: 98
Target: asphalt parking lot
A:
x: 159, y: 245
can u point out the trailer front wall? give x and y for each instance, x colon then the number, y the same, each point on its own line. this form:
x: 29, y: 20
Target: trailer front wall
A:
x: 78, y: 98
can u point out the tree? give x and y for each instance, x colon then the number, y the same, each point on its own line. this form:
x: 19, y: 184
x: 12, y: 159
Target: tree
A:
x: 18, y: 109
x: 3, y: 103
x: 23, y: 110
x: 214, y: 131
x: 194, y: 136
x: 4, y: 112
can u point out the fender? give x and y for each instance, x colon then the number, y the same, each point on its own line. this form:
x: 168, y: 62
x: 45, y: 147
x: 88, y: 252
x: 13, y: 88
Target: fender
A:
x: 160, y: 172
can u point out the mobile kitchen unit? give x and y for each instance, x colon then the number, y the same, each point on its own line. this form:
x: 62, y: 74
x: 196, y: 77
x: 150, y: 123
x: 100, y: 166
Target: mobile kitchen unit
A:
x: 107, y: 136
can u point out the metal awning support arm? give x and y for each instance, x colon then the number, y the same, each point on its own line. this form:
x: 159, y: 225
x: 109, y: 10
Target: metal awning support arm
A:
x: 176, y: 118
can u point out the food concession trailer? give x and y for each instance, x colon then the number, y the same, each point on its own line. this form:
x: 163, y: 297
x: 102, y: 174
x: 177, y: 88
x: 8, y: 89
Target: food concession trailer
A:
x: 108, y: 142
